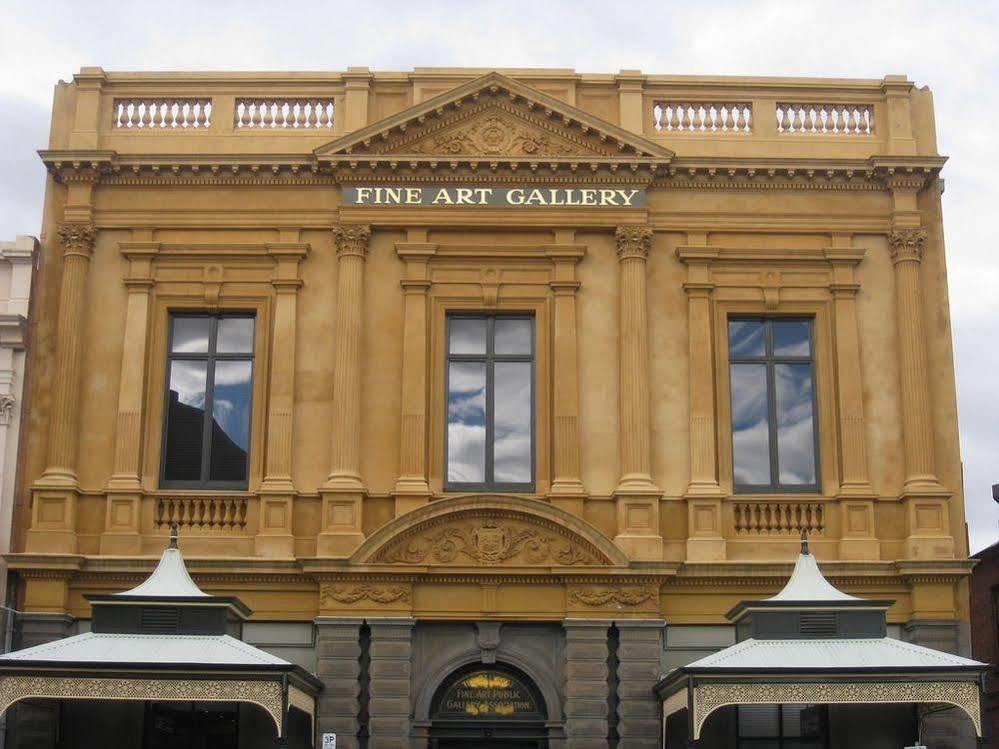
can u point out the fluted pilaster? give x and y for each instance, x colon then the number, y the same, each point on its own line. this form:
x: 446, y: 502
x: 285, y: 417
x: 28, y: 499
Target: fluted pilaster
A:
x: 907, y: 246
x: 77, y: 242
x: 412, y: 488
x: 344, y: 490
x: 351, y: 250
x: 637, y: 495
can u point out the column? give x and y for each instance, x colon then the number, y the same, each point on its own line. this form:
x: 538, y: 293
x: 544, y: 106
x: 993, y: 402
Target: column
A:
x: 124, y: 489
x: 637, y: 497
x: 412, y: 489
x: 344, y: 490
x: 53, y: 519
x: 640, y: 645
x: 391, y: 671
x: 704, y: 495
x: 586, y: 690
x: 277, y: 492
x: 567, y: 487
x: 924, y: 497
x: 856, y: 495
x: 338, y: 664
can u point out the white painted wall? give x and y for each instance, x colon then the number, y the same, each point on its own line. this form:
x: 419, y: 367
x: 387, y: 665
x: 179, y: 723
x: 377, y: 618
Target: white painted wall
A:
x: 17, y: 262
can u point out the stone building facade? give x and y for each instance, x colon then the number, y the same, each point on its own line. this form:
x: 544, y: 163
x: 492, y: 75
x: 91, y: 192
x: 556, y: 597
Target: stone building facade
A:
x: 470, y: 380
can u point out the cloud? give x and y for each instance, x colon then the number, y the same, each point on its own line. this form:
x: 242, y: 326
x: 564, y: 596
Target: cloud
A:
x: 950, y: 46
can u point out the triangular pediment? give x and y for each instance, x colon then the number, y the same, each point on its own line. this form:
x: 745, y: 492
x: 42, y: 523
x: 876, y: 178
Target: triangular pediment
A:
x: 495, y: 117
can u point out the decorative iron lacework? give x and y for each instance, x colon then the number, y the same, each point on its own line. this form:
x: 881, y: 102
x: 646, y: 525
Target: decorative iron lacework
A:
x: 675, y: 703
x: 266, y: 694
x: 299, y: 699
x: 961, y: 694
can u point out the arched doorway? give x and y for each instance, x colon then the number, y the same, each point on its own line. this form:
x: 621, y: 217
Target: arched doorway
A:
x: 497, y: 707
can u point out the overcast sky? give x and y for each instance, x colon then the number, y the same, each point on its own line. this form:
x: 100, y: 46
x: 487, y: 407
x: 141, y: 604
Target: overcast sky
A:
x: 950, y: 46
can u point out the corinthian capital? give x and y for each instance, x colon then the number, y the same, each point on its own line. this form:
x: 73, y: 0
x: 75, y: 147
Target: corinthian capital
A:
x: 352, y: 239
x: 633, y: 241
x: 907, y: 244
x: 77, y: 238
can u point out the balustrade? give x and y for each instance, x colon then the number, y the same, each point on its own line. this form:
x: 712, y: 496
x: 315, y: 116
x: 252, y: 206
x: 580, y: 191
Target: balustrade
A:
x: 203, y: 513
x: 283, y: 113
x: 779, y: 517
x: 702, y: 117
x: 162, y: 114
x: 825, y: 119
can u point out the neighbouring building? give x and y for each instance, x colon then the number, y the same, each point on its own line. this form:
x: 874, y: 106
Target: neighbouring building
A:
x: 485, y: 397
x: 17, y: 262
x: 985, y: 626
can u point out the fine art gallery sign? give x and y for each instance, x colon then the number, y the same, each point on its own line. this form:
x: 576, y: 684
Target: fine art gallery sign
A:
x: 596, y: 197
x: 488, y: 694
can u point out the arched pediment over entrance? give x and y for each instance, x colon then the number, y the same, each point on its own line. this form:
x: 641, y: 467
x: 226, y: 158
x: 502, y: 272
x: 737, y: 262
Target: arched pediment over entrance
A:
x: 490, y: 530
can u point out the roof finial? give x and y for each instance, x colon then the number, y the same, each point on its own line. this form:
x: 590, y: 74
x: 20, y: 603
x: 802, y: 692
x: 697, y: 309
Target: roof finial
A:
x: 804, y: 542
x: 173, y: 536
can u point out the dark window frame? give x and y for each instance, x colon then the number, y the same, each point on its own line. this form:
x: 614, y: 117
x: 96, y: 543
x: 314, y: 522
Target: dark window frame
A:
x: 490, y: 358
x: 747, y: 742
x: 770, y: 360
x: 210, y: 357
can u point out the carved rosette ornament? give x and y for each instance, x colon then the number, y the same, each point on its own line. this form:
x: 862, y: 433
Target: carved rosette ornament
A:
x: 907, y: 244
x: 355, y: 593
x: 352, y: 239
x: 77, y: 238
x: 633, y: 241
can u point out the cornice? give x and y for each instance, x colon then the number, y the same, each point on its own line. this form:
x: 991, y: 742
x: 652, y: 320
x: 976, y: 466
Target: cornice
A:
x: 877, y: 173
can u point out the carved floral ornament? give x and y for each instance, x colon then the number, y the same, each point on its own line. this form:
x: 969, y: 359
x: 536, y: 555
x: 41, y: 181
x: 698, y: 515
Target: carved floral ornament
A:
x: 633, y: 241
x: 491, y: 542
x: 495, y: 134
x: 77, y: 238
x: 364, y: 592
x: 612, y: 596
x: 907, y: 244
x: 6, y: 408
x: 352, y: 239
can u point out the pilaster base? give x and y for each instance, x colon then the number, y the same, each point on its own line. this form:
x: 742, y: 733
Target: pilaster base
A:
x: 638, y: 523
x: 704, y: 525
x: 121, y: 524
x: 928, y: 525
x: 275, y: 538
x: 410, y: 494
x: 857, y: 521
x: 341, y: 527
x: 53, y: 522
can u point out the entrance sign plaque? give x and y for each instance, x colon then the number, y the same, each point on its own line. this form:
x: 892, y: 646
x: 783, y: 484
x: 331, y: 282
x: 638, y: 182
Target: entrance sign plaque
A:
x: 551, y: 197
x: 488, y: 694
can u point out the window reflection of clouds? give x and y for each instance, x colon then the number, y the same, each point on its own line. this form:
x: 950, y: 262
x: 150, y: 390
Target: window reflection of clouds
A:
x: 791, y: 338
x: 750, y: 427
x: 190, y: 335
x: 231, y: 400
x: 187, y: 380
x: 512, y: 427
x: 795, y: 432
x: 745, y: 338
x: 235, y: 335
x: 468, y: 335
x: 513, y: 336
x: 466, y: 422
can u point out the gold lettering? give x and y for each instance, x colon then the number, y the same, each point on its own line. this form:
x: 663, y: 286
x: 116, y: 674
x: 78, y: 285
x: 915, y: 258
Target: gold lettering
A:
x: 393, y: 195
x: 515, y: 196
x: 608, y: 197
x: 483, y: 194
x: 588, y: 196
x: 553, y: 195
x: 363, y: 194
x: 464, y: 196
x: 535, y: 198
x: 443, y: 197
x: 628, y: 197
x: 413, y: 195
